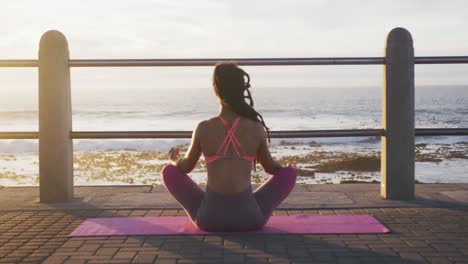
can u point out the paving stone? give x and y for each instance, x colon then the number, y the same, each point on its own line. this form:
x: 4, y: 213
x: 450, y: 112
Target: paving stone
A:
x: 55, y: 259
x: 75, y: 261
x: 125, y: 255
x: 89, y: 247
x: 234, y: 258
x: 166, y: 261
x: 109, y: 261
x: 141, y: 258
x: 106, y: 251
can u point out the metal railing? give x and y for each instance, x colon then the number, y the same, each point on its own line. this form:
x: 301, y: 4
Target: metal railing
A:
x: 239, y: 61
x: 55, y: 134
x: 273, y: 134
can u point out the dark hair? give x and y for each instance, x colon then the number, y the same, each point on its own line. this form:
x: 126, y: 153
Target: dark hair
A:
x: 230, y: 84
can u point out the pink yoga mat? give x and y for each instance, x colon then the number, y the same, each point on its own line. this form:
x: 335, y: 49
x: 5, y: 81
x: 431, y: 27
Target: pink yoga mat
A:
x: 181, y: 225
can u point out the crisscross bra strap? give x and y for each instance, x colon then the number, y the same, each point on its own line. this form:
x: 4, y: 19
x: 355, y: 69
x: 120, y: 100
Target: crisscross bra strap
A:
x: 230, y: 137
x: 229, y: 140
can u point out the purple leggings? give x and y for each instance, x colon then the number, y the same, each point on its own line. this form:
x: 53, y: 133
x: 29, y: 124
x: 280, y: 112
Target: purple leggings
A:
x: 214, y: 211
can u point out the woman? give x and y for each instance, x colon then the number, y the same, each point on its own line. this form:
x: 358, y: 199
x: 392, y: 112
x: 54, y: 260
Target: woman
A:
x: 230, y: 142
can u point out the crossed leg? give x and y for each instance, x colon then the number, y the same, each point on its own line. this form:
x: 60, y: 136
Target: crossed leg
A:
x: 184, y: 190
x: 189, y: 195
x: 273, y: 191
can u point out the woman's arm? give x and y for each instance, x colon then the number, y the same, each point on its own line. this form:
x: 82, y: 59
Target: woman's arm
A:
x: 189, y: 161
x: 264, y: 156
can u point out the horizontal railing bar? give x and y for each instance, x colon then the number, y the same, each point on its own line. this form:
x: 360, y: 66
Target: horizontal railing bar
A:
x: 442, y: 132
x: 18, y: 63
x: 441, y: 60
x: 19, y: 135
x: 131, y: 134
x: 240, y: 61
x: 273, y: 134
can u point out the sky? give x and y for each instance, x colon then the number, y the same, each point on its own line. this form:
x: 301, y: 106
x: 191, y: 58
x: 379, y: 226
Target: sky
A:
x: 114, y: 29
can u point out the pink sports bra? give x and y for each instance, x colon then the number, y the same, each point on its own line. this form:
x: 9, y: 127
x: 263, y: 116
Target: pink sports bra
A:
x: 230, y: 139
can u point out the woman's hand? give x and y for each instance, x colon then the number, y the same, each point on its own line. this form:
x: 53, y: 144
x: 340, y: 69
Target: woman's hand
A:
x: 174, y: 154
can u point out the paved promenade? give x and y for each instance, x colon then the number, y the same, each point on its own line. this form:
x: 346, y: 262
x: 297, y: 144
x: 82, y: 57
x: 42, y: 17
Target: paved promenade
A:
x: 430, y: 229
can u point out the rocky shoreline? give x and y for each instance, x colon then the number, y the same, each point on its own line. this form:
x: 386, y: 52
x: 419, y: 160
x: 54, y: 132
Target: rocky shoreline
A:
x: 314, y: 164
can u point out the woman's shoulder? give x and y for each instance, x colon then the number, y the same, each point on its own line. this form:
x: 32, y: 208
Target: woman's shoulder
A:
x: 206, y: 124
x: 253, y: 128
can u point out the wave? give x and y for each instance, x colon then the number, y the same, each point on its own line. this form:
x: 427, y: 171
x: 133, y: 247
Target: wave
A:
x: 31, y: 146
x: 163, y: 145
x: 30, y: 114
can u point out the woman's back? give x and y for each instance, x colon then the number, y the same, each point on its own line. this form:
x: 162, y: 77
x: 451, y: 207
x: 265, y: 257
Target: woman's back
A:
x: 230, y: 171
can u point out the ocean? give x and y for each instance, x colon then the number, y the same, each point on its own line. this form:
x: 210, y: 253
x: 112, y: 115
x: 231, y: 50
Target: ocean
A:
x: 320, y: 160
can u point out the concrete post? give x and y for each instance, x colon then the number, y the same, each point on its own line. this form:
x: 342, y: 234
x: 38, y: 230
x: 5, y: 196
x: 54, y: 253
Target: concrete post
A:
x: 398, y: 155
x: 55, y: 120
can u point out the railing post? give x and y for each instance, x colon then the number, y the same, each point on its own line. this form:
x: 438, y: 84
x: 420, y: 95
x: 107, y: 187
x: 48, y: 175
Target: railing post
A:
x: 55, y: 120
x: 398, y: 156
